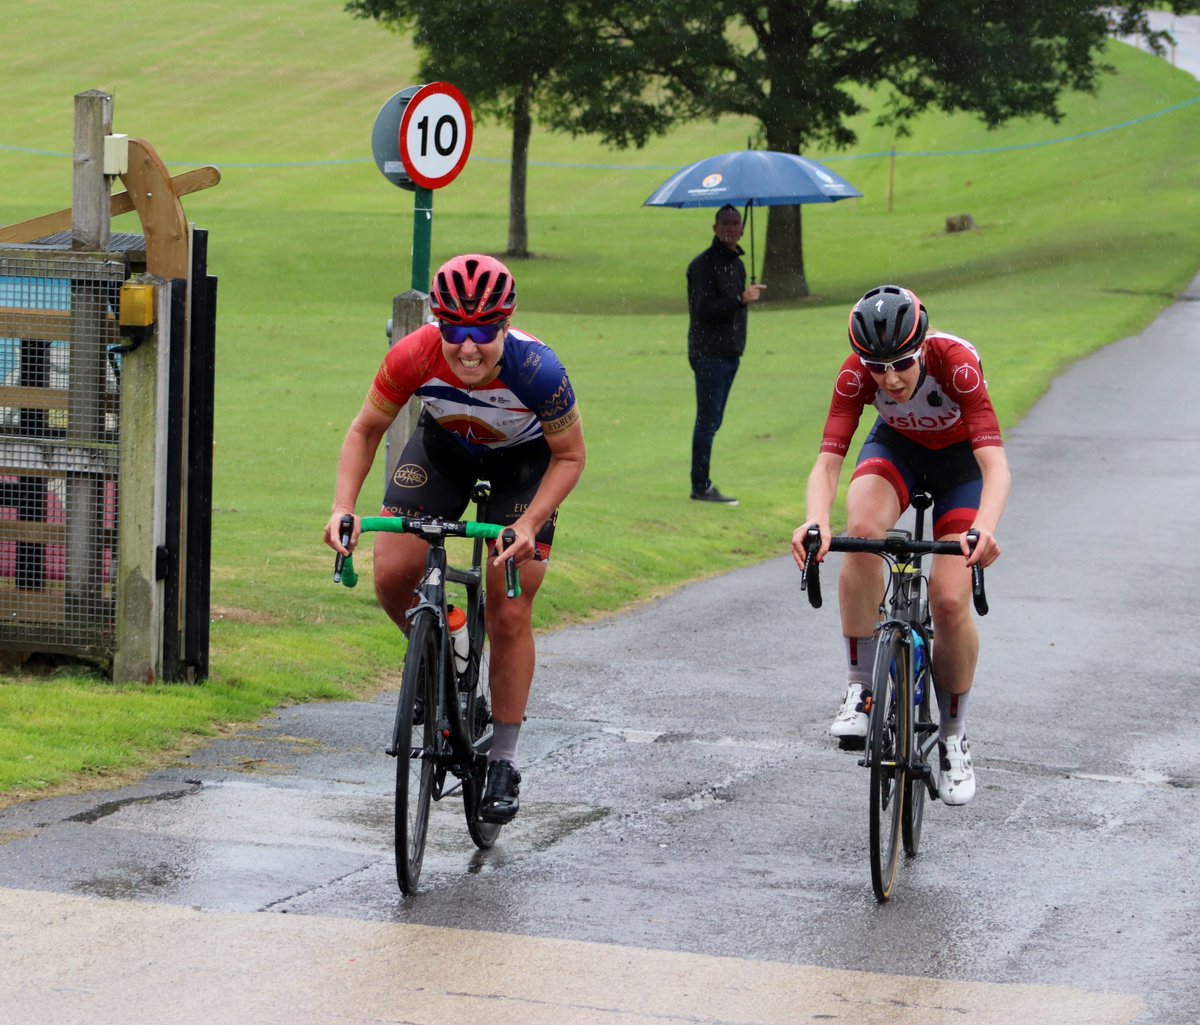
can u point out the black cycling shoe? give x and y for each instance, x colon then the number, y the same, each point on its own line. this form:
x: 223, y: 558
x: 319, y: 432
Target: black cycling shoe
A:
x: 418, y: 716
x: 500, y: 803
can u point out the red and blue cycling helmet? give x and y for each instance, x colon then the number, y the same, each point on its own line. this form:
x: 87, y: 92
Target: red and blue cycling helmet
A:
x: 472, y: 290
x: 887, y: 323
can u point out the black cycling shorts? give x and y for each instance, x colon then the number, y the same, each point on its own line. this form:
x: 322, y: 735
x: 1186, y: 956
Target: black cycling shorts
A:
x: 435, y: 475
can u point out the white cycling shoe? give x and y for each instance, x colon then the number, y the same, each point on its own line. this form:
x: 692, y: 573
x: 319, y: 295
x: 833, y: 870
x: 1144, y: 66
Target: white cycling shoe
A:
x: 956, y: 780
x: 852, y: 717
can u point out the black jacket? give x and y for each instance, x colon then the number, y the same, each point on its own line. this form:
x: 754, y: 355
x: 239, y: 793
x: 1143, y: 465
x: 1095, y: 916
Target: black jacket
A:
x: 716, y: 316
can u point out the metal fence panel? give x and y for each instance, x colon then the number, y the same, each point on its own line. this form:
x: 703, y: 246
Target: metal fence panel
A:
x: 59, y: 462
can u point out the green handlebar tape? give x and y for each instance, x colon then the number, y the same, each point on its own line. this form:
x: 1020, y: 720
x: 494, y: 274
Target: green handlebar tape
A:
x: 490, y: 531
x: 395, y: 525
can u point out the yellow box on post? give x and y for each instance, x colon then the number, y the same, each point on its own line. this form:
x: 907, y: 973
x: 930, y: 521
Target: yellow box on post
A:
x: 136, y: 316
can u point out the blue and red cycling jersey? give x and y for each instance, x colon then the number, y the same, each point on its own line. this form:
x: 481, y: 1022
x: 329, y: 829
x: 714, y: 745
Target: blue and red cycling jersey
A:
x: 531, y: 397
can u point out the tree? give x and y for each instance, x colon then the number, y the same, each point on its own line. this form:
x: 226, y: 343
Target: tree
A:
x: 507, y: 57
x: 795, y: 68
x: 629, y: 69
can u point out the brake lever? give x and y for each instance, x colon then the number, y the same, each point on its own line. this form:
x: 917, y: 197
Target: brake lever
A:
x: 512, y: 583
x: 812, y: 583
x: 978, y: 595
x: 340, y: 567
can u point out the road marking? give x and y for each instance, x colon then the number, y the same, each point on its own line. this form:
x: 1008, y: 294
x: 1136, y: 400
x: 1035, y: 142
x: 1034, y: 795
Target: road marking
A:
x: 70, y: 958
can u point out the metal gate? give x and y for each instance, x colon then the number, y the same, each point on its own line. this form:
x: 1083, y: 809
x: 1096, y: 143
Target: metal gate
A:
x: 59, y: 450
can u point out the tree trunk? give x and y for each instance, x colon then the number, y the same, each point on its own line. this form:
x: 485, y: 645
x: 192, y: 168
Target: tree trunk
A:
x: 783, y: 264
x: 518, y: 228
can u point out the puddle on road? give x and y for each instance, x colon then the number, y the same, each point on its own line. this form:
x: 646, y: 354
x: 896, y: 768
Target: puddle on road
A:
x: 112, y: 807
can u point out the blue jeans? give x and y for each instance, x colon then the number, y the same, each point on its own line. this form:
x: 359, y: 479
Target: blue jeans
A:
x: 714, y: 378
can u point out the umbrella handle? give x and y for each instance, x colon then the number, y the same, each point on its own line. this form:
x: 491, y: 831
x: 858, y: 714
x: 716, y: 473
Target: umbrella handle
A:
x: 748, y: 214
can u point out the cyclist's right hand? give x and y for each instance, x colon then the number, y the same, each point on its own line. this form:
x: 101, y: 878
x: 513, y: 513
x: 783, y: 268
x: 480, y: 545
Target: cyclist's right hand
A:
x: 335, y: 532
x: 800, y: 537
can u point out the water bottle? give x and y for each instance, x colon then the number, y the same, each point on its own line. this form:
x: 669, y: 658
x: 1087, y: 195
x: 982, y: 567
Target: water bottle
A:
x: 456, y: 619
x: 918, y: 666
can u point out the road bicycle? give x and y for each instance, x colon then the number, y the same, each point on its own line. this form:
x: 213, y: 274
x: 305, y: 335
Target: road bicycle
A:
x: 443, y: 727
x: 901, y: 735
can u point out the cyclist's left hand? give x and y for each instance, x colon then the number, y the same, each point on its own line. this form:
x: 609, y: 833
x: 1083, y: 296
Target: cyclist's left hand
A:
x: 800, y: 535
x: 520, y: 551
x: 987, y: 548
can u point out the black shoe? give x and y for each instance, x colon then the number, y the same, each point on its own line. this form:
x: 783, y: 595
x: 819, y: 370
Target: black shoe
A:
x: 500, y: 802
x: 711, y: 494
x: 418, y: 716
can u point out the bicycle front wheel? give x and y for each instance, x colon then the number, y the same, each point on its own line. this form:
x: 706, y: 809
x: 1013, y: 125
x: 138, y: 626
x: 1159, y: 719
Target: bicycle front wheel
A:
x: 888, y: 742
x: 416, y: 748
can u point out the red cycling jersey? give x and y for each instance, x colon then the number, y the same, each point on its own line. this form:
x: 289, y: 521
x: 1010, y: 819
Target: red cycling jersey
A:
x: 950, y: 403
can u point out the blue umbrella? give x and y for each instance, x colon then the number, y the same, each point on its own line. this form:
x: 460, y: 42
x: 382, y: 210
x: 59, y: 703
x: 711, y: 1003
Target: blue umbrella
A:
x: 750, y: 178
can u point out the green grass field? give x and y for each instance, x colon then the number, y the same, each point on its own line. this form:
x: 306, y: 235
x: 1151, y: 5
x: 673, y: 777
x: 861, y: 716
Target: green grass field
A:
x: 1086, y: 230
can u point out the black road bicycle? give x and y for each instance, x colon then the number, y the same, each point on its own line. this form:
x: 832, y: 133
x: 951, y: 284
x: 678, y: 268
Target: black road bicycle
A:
x: 443, y: 727
x: 902, y: 735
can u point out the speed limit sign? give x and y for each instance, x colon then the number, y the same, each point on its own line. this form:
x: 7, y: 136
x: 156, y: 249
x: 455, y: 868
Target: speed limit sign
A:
x: 435, y: 135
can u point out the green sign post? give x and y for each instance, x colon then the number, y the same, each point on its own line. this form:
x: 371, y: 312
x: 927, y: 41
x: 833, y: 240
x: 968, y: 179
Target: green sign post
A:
x: 422, y: 238
x: 421, y: 141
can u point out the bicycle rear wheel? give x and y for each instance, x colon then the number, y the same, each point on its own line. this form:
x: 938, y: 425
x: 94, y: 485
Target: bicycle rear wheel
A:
x: 475, y: 701
x: 924, y: 730
x: 416, y: 747
x: 889, y: 745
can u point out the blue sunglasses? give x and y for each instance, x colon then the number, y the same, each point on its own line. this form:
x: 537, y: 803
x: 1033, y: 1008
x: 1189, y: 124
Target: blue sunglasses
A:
x: 480, y: 334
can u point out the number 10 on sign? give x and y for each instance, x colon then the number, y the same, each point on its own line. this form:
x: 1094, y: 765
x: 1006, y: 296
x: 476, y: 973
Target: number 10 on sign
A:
x: 435, y: 135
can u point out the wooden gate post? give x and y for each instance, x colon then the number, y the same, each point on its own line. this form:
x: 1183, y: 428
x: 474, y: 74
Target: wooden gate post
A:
x: 141, y: 524
x: 409, y: 311
x: 91, y: 191
x: 90, y: 231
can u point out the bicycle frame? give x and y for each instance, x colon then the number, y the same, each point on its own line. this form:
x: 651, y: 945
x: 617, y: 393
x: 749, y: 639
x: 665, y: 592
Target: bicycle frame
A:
x: 431, y: 600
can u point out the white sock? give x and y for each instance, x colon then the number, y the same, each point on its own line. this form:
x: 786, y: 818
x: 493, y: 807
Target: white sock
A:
x: 504, y: 743
x: 952, y: 713
x: 860, y: 660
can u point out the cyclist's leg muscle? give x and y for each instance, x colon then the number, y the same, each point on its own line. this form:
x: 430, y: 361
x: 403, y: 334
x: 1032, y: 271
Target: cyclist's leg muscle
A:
x: 399, y: 562
x: 956, y: 647
x: 510, y: 632
x: 956, y: 489
x: 873, y: 504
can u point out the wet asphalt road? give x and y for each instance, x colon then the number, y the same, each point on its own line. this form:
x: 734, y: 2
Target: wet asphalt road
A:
x: 682, y: 795
x: 692, y: 846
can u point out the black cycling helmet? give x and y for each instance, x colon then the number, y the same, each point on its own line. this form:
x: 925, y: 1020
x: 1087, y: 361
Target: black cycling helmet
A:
x: 472, y: 289
x: 887, y: 322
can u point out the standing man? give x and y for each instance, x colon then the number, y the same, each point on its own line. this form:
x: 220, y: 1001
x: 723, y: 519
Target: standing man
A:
x: 717, y: 299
